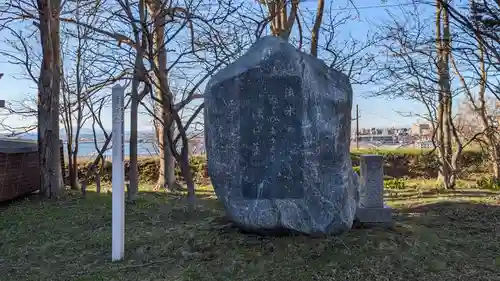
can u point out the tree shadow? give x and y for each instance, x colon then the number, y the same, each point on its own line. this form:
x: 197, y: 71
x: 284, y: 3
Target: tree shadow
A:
x: 32, y: 197
x: 444, y: 207
x: 454, y: 218
x: 415, y: 194
x: 172, y: 208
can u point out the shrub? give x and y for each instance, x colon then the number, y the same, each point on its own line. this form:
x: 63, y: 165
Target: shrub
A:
x: 148, y: 170
x: 488, y: 183
x: 394, y: 184
x: 420, y: 163
x: 411, y: 163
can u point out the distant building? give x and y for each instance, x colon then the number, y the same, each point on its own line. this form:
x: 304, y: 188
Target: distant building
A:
x: 423, y: 131
x: 383, y: 136
x: 424, y: 144
x: 377, y: 138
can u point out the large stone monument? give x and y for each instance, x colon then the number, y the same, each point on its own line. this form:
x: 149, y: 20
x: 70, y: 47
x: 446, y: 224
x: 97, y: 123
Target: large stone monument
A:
x: 277, y: 128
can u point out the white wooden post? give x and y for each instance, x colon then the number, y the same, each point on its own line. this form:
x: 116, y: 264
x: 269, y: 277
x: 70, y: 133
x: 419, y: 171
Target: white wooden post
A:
x: 118, y: 174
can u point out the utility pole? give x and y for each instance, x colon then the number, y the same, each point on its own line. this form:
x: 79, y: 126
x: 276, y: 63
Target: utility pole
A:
x: 357, y: 127
x: 2, y: 102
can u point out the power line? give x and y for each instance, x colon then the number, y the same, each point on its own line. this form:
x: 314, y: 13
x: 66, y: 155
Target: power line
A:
x: 378, y: 6
x: 210, y: 5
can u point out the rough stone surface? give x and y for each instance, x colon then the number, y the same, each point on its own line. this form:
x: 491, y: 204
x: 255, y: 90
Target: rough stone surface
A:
x: 277, y: 129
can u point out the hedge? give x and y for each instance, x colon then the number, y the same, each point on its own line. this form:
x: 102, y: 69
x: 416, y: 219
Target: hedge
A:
x: 417, y: 163
x: 148, y: 169
x: 397, y: 164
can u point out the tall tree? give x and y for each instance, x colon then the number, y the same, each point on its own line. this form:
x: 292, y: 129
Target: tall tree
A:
x: 48, y: 99
x: 159, y: 11
x: 478, y: 35
x: 138, y: 77
x: 418, y: 66
x: 444, y: 116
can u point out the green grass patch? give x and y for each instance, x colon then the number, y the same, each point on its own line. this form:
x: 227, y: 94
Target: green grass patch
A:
x: 438, y: 236
x: 385, y: 151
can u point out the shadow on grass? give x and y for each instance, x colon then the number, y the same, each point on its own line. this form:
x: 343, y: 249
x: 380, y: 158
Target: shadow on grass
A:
x: 454, y: 215
x: 32, y: 197
x: 71, y: 240
x: 396, y: 194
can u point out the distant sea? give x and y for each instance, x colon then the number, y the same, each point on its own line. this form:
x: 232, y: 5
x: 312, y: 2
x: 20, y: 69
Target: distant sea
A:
x: 87, y: 148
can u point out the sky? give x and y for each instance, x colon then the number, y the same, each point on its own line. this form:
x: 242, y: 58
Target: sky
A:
x: 374, y: 111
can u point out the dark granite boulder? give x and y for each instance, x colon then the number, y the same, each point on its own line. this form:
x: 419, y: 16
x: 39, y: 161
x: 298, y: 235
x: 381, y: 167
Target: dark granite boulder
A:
x: 277, y: 128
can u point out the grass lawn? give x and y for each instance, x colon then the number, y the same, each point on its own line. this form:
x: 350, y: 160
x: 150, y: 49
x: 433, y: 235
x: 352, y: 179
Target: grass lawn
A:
x: 438, y: 236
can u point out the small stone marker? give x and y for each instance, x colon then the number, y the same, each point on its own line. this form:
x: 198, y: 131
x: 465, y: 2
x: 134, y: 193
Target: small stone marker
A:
x: 371, y: 209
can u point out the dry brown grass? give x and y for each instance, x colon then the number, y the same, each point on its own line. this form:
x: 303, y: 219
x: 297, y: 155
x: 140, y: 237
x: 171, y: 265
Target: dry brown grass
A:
x: 438, y: 236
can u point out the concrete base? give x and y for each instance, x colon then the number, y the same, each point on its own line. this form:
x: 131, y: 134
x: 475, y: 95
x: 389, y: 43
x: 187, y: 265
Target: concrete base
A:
x: 375, y: 216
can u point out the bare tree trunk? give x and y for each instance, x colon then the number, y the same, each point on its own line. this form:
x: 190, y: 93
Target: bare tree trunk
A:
x: 83, y: 187
x: 315, y: 31
x: 495, y: 163
x: 134, y: 112
x: 70, y: 137
x: 453, y: 156
x: 186, y: 172
x: 183, y: 159
x: 170, y: 164
x: 72, y: 168
x: 48, y: 99
x: 443, y: 168
x: 281, y: 21
x: 97, y: 180
x: 446, y: 132
x: 63, y: 167
x: 135, y: 99
x: 68, y: 121
x: 79, y: 97
x: 166, y: 176
x: 74, y: 179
